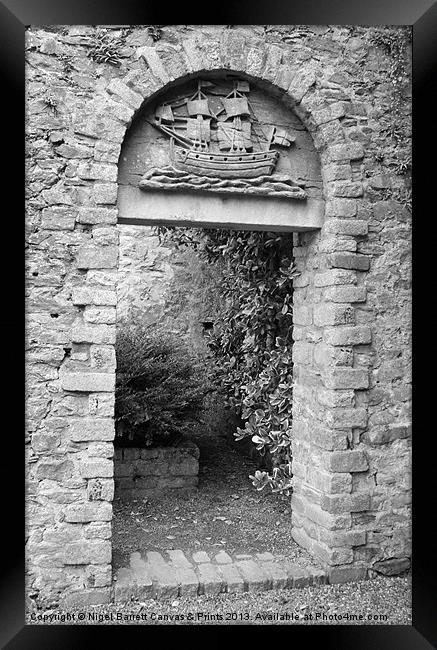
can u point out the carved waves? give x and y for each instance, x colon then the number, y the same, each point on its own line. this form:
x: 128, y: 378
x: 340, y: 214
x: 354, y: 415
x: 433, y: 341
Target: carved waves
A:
x: 273, y: 185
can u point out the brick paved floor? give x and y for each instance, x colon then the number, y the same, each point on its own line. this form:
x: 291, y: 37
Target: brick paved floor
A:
x: 173, y: 573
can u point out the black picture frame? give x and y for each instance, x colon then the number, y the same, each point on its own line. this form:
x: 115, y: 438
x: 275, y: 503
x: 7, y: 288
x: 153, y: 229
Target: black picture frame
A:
x: 15, y: 15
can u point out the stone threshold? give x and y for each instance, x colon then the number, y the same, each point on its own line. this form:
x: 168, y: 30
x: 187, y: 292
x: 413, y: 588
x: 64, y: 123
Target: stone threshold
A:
x: 153, y: 576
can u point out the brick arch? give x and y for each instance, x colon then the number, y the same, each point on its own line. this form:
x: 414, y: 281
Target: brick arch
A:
x: 312, y: 113
x: 325, y: 409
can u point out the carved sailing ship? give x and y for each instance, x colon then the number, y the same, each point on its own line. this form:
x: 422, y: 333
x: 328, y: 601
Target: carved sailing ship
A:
x: 199, y: 125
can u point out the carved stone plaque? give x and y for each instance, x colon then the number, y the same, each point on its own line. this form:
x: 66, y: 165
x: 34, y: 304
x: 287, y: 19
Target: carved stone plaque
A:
x: 218, y: 144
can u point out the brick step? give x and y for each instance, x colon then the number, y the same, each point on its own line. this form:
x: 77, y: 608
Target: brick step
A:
x: 156, y: 576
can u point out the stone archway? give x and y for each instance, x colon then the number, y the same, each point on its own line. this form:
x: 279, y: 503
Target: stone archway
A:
x: 338, y: 515
x: 324, y: 335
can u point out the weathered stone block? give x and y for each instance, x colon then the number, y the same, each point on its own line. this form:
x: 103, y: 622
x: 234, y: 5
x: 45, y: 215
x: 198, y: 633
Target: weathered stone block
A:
x: 163, y: 573
x: 210, y: 579
x: 346, y: 294
x: 99, y: 575
x: 100, y: 315
x: 94, y: 296
x: 122, y: 470
x: 255, y: 578
x: 348, y: 190
x: 58, y: 218
x: 97, y: 171
x: 379, y: 435
x: 101, y: 405
x: 316, y: 514
x: 184, y: 467
x: 348, y: 461
x: 100, y: 449
x: 329, y: 482
x: 336, y: 398
x: 149, y: 468
x: 392, y: 566
x: 85, y: 429
x: 346, y: 574
x: 346, y: 152
x: 223, y: 558
x: 333, y: 315
x: 300, y: 84
x: 119, y: 89
x: 298, y: 577
x: 86, y: 512
x: 45, y: 441
x: 347, y: 378
x: 100, y: 468
x: 341, y: 208
x: 103, y: 358
x: 338, y: 171
x: 88, y: 382
x: 277, y: 574
x: 54, y: 469
x: 88, y: 552
x: 91, y: 256
x: 84, y: 597
x: 302, y: 315
x: 100, y: 489
x: 329, y: 439
x: 91, y: 333
x: 233, y: 581
x: 154, y: 62
x: 349, y: 261
x: 338, y: 503
x: 342, y: 418
x: 338, y: 245
x: 335, y: 277
x: 328, y: 356
x: 352, y: 227
x: 93, y: 216
x: 105, y: 193
x: 343, y: 538
x: 302, y: 352
x: 358, y: 335
x: 132, y: 453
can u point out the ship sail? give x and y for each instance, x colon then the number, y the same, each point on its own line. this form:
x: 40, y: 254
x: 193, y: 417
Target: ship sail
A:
x: 236, y: 106
x: 164, y: 113
x: 198, y: 129
x: 280, y: 137
x: 198, y: 107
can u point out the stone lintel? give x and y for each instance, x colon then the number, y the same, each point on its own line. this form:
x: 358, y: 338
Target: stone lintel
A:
x: 208, y: 210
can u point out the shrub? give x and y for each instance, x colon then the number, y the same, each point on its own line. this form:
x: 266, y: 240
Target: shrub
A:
x: 159, y: 388
x: 105, y: 48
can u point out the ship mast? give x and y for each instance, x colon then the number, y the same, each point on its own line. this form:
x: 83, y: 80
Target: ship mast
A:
x: 198, y: 108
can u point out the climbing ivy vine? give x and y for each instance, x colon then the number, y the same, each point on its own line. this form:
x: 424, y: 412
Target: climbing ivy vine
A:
x: 395, y: 43
x: 251, y: 343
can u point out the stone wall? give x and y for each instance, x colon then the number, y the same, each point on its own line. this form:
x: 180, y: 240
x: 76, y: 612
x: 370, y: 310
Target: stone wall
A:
x: 351, y: 421
x: 157, y: 284
x: 152, y: 472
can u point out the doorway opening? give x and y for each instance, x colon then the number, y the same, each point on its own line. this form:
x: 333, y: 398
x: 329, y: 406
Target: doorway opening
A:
x: 210, y: 486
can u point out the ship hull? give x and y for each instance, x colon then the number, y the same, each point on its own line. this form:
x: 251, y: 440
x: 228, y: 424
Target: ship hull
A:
x: 229, y: 165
